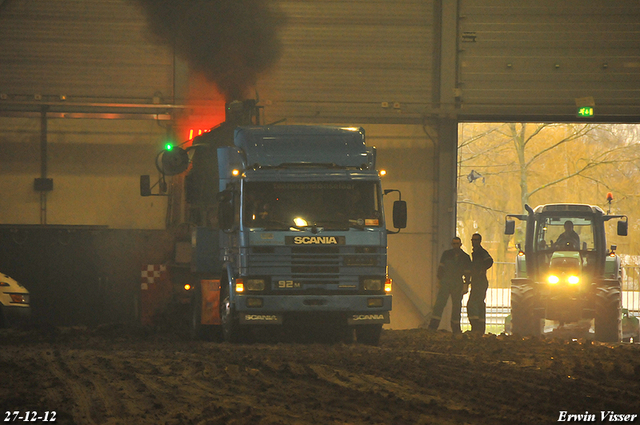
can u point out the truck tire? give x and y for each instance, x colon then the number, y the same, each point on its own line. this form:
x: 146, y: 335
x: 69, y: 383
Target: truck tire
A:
x: 524, y: 321
x: 368, y: 334
x: 232, y: 331
x: 608, y: 315
x: 198, y: 330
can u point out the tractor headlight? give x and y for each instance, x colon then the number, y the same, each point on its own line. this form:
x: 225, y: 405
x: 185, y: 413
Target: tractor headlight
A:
x: 553, y: 279
x: 573, y: 280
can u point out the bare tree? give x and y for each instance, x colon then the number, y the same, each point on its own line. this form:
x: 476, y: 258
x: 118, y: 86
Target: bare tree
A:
x: 504, y: 166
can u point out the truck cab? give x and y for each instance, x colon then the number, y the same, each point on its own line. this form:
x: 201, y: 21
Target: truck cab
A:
x: 302, y: 234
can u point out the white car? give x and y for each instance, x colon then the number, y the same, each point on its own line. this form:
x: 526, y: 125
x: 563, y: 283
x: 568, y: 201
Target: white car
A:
x: 14, y: 302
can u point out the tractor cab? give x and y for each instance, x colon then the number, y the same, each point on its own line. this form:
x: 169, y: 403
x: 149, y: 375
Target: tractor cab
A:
x: 565, y: 249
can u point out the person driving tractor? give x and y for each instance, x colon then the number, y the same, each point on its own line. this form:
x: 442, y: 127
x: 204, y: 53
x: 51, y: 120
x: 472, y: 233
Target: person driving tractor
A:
x: 569, y: 238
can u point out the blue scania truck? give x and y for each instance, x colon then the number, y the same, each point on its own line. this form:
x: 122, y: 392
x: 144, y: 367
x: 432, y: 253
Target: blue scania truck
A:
x: 292, y: 234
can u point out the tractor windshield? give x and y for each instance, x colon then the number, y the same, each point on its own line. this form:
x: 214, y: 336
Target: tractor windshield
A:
x: 332, y: 205
x: 564, y: 233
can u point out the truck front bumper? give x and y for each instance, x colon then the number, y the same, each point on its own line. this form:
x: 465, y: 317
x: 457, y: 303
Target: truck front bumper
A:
x: 357, y: 309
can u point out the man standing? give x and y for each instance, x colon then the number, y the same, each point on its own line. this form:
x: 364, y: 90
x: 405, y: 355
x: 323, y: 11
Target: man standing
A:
x: 453, y: 273
x: 476, y: 307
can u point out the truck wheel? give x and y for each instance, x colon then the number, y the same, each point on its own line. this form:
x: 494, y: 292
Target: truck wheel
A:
x: 368, y: 334
x: 524, y: 321
x: 607, y: 321
x: 231, y: 329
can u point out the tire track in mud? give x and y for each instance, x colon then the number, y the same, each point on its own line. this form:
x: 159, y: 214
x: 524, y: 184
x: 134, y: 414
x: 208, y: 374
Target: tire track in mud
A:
x: 105, y: 400
x: 149, y: 383
x: 75, y: 391
x: 118, y: 383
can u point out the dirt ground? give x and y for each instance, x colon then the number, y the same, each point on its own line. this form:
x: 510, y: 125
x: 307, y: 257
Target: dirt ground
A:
x: 121, y: 375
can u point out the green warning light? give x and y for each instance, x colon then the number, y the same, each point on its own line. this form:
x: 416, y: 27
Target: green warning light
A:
x: 585, y: 111
x: 168, y: 147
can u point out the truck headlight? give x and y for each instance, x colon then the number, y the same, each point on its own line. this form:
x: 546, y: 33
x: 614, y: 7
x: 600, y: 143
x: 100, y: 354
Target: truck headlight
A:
x: 553, y: 279
x: 254, y: 284
x: 372, y: 284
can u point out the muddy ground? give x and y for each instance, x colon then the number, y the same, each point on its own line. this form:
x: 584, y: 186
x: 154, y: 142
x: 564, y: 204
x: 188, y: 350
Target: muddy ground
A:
x: 120, y: 375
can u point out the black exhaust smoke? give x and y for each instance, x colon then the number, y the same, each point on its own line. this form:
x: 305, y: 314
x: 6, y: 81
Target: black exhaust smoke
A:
x: 231, y: 42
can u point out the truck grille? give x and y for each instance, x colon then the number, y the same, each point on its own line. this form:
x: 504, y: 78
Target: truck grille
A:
x: 315, y: 261
x: 312, y: 267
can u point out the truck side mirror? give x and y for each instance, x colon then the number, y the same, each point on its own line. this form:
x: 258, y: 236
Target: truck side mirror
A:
x: 145, y: 185
x: 509, y: 227
x: 400, y: 214
x: 622, y: 228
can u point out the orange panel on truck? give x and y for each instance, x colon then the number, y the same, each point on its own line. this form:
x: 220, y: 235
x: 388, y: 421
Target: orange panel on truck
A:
x: 210, y: 302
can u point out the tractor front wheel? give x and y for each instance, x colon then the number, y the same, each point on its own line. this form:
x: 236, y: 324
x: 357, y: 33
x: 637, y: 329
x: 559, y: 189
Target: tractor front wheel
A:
x: 524, y: 321
x: 608, y: 322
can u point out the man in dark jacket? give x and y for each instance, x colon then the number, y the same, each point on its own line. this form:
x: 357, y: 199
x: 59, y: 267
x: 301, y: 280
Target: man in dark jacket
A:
x: 453, y: 273
x: 476, y: 307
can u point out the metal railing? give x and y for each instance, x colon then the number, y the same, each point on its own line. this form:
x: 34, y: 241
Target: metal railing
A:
x: 631, y: 289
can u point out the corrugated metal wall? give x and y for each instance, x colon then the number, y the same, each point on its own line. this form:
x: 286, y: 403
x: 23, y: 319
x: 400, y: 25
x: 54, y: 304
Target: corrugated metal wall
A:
x: 84, y: 49
x: 533, y: 58
x: 100, y: 136
x: 343, y: 59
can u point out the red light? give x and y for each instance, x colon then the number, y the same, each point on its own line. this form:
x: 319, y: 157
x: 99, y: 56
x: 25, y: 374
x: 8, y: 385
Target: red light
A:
x: 609, y: 196
x: 191, y: 134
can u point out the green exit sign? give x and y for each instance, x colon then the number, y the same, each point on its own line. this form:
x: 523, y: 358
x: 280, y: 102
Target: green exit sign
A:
x: 585, y: 111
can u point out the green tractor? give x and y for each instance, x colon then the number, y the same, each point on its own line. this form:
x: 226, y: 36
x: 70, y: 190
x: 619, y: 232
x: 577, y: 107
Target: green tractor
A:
x: 565, y: 273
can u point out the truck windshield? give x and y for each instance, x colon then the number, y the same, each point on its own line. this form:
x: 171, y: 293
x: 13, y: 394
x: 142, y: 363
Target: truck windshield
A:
x: 564, y: 233
x: 332, y: 205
